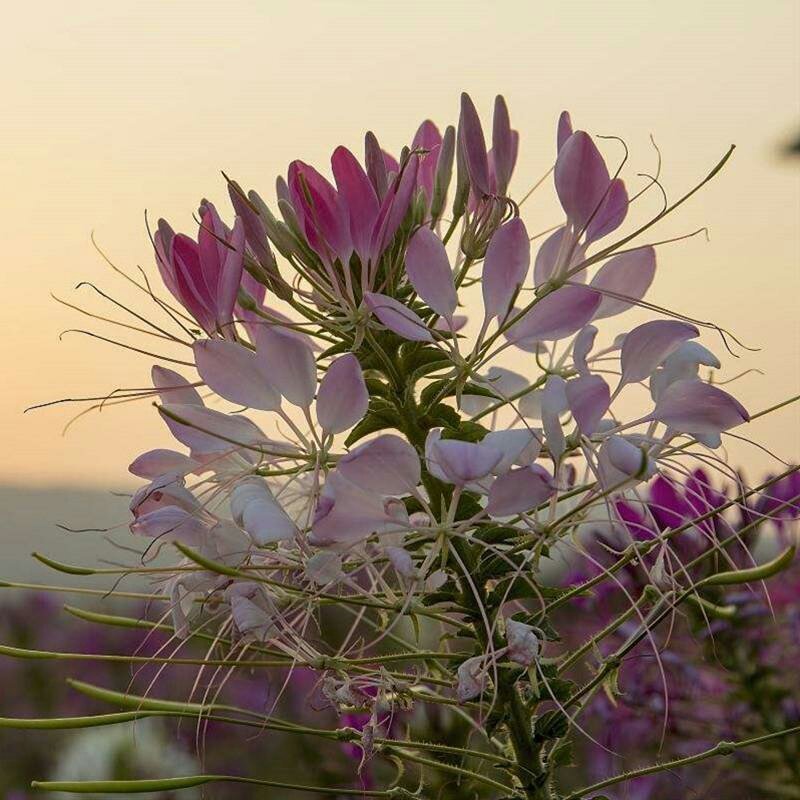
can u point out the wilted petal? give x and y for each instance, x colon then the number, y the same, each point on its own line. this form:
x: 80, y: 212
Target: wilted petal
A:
x: 289, y: 361
x: 508, y: 258
x: 519, y: 490
x: 581, y: 178
x: 557, y: 315
x: 627, y: 275
x: 523, y: 643
x: 256, y: 511
x: 343, y: 398
x: 692, y: 406
x: 647, y: 345
x: 386, y: 465
x: 471, y: 679
x: 428, y: 269
x: 324, y: 568
x: 235, y: 373
x: 473, y: 146
x: 174, y: 388
x: 397, y: 318
x: 589, y: 398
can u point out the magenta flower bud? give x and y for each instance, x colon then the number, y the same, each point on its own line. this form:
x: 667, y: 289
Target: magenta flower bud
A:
x: 557, y: 315
x: 519, y: 490
x: 444, y: 173
x: 342, y: 399
x: 428, y: 270
x: 692, y: 406
x: 359, y: 198
x: 236, y: 373
x: 505, y: 143
x: 256, y: 511
x: 394, y: 208
x: 397, y: 318
x: 647, y: 345
x: 321, y: 213
x: 386, y: 465
x: 524, y: 646
x: 508, y: 258
x: 589, y: 398
x: 627, y: 275
x: 429, y: 139
x: 564, y: 129
x: 581, y: 179
x: 376, y: 165
x: 473, y: 146
x: 289, y: 362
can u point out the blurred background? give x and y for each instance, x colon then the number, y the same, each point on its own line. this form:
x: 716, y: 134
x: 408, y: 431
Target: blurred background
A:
x: 111, y: 109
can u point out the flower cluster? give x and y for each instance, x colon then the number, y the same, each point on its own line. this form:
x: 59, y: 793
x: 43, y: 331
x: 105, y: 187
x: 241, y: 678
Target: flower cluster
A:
x: 363, y: 489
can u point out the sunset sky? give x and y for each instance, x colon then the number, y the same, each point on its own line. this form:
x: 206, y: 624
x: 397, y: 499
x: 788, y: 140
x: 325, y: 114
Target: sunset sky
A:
x: 114, y: 108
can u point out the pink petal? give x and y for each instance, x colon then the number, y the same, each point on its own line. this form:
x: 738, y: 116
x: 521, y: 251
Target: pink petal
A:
x: 519, y: 490
x: 236, y: 373
x: 473, y: 146
x: 174, y: 388
x: 397, y: 317
x: 551, y: 257
x: 256, y: 511
x: 205, y: 431
x: 584, y: 342
x: 359, y: 197
x: 342, y: 398
x: 155, y: 463
x: 464, y: 462
x: 508, y: 258
x: 557, y: 315
x: 647, y: 345
x: 519, y: 446
x: 581, y: 178
x: 230, y: 278
x: 169, y: 524
x: 428, y: 269
x: 289, y: 362
x: 589, y: 398
x: 692, y: 406
x: 629, y: 275
x: 386, y: 465
x: 611, y: 214
x: 554, y: 403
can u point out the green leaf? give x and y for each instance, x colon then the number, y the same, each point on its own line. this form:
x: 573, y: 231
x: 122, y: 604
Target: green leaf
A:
x: 380, y: 415
x: 550, y: 725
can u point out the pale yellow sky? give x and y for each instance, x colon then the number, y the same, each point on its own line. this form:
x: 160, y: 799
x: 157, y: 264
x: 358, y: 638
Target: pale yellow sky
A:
x: 111, y: 108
